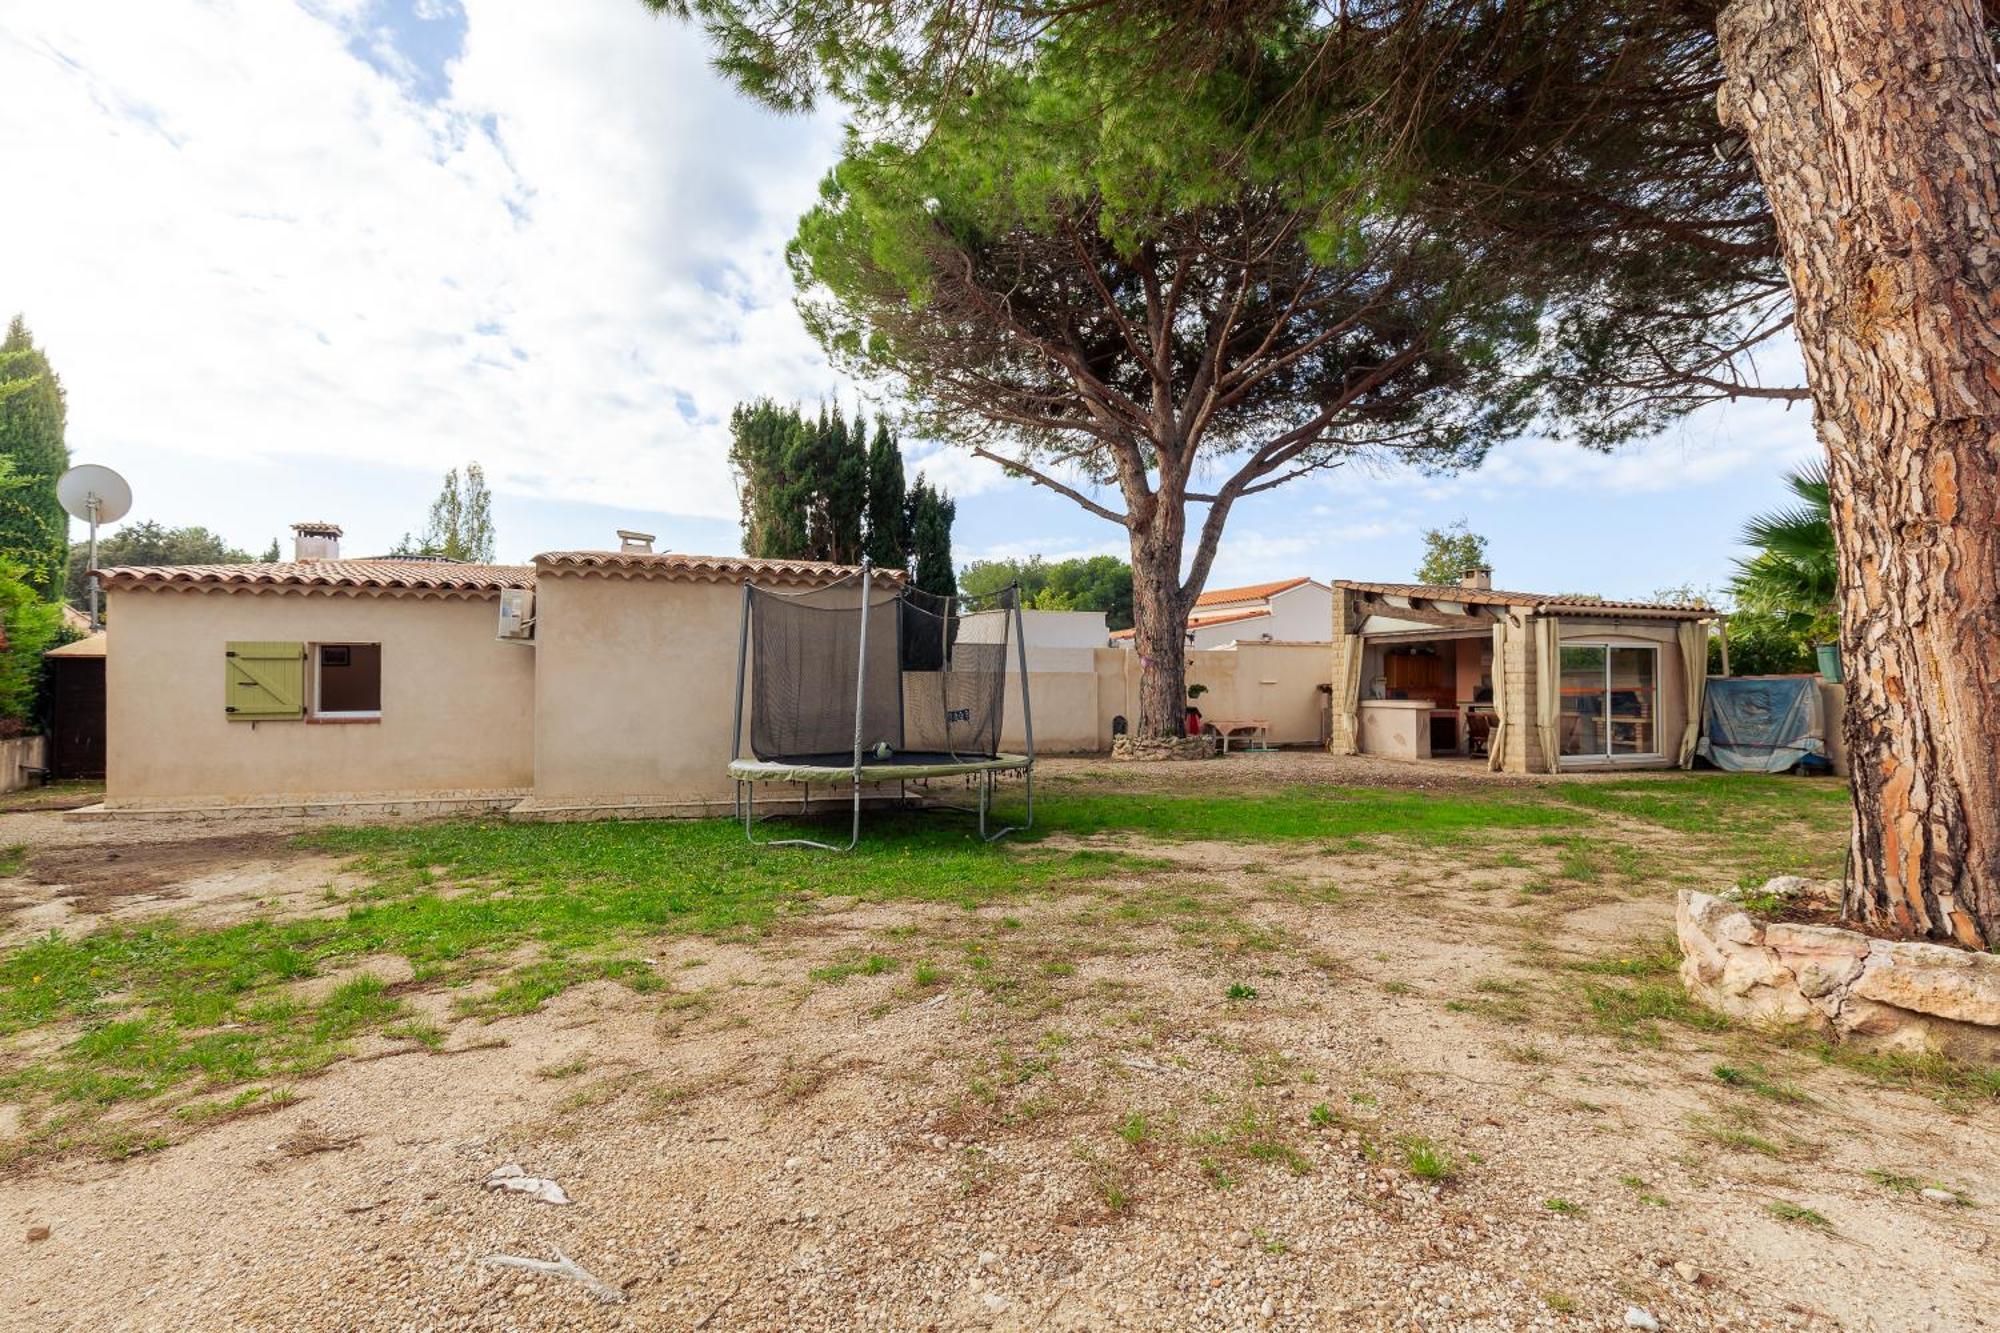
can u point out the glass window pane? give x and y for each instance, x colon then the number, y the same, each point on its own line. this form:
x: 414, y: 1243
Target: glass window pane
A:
x: 1582, y: 723
x: 1634, y: 692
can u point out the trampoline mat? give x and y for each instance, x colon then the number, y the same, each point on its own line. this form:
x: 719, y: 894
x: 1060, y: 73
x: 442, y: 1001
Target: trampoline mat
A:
x: 901, y: 767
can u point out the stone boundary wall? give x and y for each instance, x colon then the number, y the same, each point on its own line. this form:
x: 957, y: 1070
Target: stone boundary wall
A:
x: 1897, y: 995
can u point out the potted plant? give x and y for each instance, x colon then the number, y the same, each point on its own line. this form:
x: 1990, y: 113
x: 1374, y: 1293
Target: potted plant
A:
x: 1193, y: 713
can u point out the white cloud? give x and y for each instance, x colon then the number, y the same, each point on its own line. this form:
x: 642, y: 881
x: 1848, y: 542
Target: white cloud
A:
x: 251, y: 242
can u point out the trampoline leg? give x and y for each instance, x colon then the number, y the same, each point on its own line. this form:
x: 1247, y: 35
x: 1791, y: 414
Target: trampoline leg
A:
x: 985, y: 798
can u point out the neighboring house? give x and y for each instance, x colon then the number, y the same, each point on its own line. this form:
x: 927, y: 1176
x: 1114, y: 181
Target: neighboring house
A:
x: 1538, y: 682
x: 1063, y: 640
x: 1288, y: 611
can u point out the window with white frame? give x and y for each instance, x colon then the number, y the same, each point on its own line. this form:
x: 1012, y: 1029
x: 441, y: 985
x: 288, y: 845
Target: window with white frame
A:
x: 347, y: 681
x: 1610, y: 701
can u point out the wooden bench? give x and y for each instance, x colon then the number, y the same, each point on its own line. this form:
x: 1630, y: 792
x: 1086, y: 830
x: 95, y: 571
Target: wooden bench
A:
x: 1259, y: 729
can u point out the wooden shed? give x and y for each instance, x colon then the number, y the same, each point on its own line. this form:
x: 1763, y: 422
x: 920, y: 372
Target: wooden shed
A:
x: 76, y: 708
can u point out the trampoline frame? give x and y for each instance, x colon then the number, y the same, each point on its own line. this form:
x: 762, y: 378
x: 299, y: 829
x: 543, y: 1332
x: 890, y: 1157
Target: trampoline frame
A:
x: 983, y: 771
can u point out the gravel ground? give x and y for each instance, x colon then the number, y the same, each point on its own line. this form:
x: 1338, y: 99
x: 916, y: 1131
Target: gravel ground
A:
x: 1069, y: 1125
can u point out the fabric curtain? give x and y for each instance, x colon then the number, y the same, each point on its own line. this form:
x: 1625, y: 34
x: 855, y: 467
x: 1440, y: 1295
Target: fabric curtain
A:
x: 1496, y: 740
x: 1347, y: 695
x: 1548, y: 688
x: 1694, y: 676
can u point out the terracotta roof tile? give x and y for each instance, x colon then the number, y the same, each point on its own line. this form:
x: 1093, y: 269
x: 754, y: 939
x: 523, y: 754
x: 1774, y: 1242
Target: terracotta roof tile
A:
x: 416, y: 575
x: 1212, y: 619
x: 1251, y: 592
x: 676, y: 565
x: 1557, y: 602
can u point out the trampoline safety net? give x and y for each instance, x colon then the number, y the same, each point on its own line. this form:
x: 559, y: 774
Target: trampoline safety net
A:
x: 936, y: 675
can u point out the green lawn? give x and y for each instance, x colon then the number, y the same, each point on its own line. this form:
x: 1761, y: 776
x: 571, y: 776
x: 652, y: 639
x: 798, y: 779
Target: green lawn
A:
x: 161, y: 1012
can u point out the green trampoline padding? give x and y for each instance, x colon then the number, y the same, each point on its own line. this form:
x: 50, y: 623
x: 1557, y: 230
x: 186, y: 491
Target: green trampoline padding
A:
x: 772, y: 770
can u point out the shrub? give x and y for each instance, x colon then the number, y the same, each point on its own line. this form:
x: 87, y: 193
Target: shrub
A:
x: 33, y: 627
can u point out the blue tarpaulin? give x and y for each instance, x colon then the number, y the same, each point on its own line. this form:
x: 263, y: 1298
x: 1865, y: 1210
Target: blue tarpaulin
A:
x: 1761, y: 724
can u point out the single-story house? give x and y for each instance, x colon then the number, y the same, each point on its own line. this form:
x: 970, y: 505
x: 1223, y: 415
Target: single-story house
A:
x: 1286, y: 611
x: 588, y: 681
x: 1532, y: 682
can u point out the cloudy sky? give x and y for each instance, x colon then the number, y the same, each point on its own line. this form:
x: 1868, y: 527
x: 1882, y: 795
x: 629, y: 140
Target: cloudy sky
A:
x: 293, y: 260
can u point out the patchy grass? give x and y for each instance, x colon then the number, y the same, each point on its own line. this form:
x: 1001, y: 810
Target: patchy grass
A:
x: 874, y: 965
x: 1426, y: 1160
x: 13, y: 859
x: 1798, y: 1215
x: 169, y: 1014
x: 1320, y: 813
x: 1752, y: 1078
x: 1643, y: 1191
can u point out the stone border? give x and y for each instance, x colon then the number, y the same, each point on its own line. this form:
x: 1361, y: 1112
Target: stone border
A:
x: 1160, y: 749
x: 1899, y: 995
x: 469, y: 802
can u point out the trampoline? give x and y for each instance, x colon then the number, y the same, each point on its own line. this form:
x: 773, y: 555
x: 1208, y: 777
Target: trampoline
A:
x: 864, y: 683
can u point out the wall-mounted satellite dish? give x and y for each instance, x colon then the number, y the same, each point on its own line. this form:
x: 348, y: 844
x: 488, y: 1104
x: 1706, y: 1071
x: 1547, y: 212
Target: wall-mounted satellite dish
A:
x: 96, y: 495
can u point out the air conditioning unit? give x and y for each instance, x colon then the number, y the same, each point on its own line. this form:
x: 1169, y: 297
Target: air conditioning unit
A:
x: 517, y: 614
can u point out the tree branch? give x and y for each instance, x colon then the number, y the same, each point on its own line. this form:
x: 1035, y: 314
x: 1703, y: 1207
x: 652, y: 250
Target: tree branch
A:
x: 1017, y: 468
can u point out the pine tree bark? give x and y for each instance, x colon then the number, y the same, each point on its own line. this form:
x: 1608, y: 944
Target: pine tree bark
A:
x: 1159, y: 621
x: 1875, y: 125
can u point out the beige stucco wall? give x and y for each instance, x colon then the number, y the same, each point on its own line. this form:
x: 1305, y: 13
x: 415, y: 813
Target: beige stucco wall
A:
x: 1276, y: 682
x: 1395, y: 728
x: 635, y: 686
x: 1065, y: 704
x: 456, y: 702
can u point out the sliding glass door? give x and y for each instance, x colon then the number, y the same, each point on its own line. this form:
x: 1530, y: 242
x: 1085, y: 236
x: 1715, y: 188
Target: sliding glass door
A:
x: 1610, y: 701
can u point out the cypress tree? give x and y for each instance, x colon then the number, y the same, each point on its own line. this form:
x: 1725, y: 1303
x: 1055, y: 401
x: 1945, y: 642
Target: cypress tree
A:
x: 847, y: 489
x: 931, y: 515
x: 803, y: 484
x: 34, y: 530
x: 888, y: 515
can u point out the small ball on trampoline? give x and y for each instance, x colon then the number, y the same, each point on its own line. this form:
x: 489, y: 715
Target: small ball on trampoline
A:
x: 882, y: 751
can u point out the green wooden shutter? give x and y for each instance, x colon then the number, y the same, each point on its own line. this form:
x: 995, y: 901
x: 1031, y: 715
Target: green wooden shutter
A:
x: 264, y: 681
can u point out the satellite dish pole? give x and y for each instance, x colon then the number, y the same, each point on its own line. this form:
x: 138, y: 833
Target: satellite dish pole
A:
x: 96, y: 495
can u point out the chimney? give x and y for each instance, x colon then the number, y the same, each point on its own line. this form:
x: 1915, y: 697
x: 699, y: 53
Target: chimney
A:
x: 1477, y: 576
x: 315, y: 541
x: 635, y: 543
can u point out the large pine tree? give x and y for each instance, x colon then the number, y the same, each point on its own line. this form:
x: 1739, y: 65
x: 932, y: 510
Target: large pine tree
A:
x: 34, y: 530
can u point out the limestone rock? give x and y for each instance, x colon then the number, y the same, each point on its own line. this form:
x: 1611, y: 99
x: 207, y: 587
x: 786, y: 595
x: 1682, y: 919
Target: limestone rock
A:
x: 1892, y: 995
x: 1824, y: 959
x: 1727, y: 966
x: 1154, y: 749
x: 1933, y: 979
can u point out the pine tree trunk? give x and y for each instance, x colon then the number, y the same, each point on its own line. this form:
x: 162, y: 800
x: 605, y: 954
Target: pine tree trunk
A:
x: 1159, y: 630
x: 1875, y: 125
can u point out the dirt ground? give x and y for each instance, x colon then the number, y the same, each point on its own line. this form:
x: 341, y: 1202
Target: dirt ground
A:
x: 1189, y: 1101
